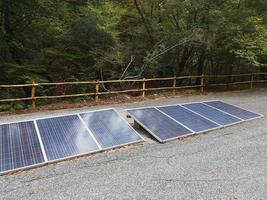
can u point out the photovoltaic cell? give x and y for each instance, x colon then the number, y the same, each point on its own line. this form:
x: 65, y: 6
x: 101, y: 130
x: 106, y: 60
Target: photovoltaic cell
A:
x: 65, y: 137
x: 159, y: 125
x: 19, y: 146
x: 109, y: 128
x: 212, y: 113
x: 233, y: 110
x: 188, y: 118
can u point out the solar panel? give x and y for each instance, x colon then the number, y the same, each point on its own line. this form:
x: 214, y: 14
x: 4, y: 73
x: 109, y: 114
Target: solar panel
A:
x: 233, y: 110
x: 19, y: 146
x: 109, y: 129
x: 65, y: 137
x: 158, y: 124
x: 189, y: 119
x: 212, y: 113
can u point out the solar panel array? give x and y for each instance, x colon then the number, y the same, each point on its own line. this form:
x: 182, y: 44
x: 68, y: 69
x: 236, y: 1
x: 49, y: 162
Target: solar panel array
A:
x: 173, y: 121
x: 37, y: 142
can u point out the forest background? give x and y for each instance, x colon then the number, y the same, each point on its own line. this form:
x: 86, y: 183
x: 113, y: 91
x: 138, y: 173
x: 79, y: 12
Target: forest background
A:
x: 73, y: 40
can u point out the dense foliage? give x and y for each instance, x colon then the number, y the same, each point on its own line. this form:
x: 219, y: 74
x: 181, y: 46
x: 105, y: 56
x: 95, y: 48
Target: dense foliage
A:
x: 68, y: 40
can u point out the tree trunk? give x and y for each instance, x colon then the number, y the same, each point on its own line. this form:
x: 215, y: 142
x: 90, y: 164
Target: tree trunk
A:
x: 200, y: 67
x: 145, y: 21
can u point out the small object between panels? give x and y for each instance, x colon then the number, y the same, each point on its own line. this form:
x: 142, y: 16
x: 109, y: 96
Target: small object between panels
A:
x: 40, y: 141
x: 194, y: 117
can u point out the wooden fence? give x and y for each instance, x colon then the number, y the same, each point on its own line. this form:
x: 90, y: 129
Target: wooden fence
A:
x: 203, y: 80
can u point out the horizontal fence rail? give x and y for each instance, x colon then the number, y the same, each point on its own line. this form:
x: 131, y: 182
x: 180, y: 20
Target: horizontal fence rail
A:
x: 203, y: 80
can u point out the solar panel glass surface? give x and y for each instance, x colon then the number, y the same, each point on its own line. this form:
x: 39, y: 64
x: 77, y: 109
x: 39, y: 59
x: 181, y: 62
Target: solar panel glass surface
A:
x: 233, y: 110
x: 65, y: 137
x: 188, y: 118
x: 158, y: 124
x: 212, y: 113
x: 109, y: 129
x: 19, y: 146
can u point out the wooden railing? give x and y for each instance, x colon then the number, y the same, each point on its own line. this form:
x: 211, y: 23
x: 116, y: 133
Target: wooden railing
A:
x: 203, y: 80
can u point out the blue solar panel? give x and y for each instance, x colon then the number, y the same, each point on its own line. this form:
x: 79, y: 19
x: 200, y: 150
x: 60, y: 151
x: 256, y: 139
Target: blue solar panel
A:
x: 233, y: 110
x: 188, y: 118
x: 19, y: 146
x: 212, y: 113
x: 158, y: 124
x: 110, y: 129
x: 65, y: 137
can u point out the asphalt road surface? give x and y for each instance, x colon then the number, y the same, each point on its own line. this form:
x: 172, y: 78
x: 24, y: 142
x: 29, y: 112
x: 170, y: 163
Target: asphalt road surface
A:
x: 230, y: 163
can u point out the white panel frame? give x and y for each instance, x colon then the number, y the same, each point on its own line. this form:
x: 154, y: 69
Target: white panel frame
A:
x: 40, y: 141
x: 89, y: 131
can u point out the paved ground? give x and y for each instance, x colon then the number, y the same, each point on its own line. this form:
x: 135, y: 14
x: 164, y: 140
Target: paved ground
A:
x: 229, y: 163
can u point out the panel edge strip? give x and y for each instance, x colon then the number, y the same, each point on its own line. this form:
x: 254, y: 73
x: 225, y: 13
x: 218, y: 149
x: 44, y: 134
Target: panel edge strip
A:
x: 127, y: 123
x: 40, y: 140
x: 23, y: 168
x: 90, y: 132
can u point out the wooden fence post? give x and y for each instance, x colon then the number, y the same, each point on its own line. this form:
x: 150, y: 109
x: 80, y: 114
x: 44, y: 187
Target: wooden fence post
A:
x: 174, y: 86
x: 144, y: 88
x: 202, y: 83
x: 251, y: 80
x: 33, y: 95
x: 97, y: 91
